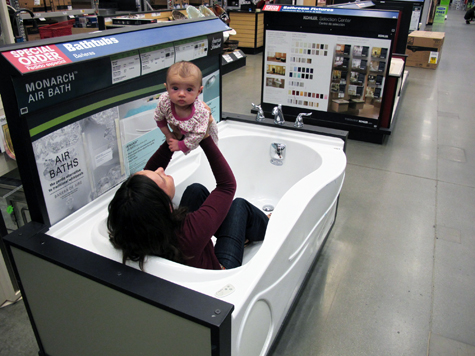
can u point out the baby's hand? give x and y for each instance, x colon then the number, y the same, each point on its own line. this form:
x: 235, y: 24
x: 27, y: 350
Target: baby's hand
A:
x: 173, y: 145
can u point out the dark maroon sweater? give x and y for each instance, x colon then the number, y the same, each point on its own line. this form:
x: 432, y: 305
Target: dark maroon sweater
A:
x: 199, y: 226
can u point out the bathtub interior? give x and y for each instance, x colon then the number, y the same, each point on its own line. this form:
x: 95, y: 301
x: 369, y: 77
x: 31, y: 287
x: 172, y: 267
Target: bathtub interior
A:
x: 258, y: 181
x: 264, y: 185
x: 100, y: 240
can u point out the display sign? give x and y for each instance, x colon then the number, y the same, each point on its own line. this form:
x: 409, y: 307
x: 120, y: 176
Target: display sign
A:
x: 39, y: 89
x: 440, y: 13
x: 329, y: 10
x: 157, y: 58
x: 43, y: 57
x: 36, y: 58
x: 100, y: 145
x: 326, y: 72
x: 334, y: 63
x: 46, y: 88
x: 83, y: 111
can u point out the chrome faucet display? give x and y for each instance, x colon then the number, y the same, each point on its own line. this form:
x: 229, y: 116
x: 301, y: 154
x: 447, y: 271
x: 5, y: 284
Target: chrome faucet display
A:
x: 277, y: 153
x: 278, y: 115
x: 260, y: 113
x: 299, y: 120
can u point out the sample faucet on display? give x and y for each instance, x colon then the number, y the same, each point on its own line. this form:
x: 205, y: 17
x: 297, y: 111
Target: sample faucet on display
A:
x: 278, y: 115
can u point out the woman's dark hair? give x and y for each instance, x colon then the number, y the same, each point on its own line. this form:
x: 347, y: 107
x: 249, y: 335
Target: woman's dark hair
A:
x: 142, y: 221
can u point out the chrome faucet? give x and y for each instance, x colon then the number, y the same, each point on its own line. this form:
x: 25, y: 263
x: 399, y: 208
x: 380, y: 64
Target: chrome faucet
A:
x: 299, y: 120
x: 277, y: 153
x: 278, y: 115
x: 260, y: 113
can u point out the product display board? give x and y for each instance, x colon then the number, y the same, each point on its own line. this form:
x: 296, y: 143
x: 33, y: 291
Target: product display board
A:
x: 333, y: 62
x: 81, y: 112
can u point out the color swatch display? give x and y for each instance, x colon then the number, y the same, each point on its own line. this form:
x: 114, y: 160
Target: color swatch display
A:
x: 325, y: 72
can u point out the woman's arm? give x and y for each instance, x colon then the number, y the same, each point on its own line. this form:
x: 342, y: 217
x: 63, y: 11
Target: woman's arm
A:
x: 160, y: 158
x: 201, y: 225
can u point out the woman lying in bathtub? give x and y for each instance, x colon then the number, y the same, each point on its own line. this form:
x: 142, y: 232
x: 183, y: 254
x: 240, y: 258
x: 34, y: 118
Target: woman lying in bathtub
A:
x: 142, y: 220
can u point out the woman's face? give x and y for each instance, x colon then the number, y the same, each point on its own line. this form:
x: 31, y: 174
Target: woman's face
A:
x: 165, y: 182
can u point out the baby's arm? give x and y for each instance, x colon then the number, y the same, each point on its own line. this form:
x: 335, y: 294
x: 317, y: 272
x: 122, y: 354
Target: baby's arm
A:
x: 166, y: 131
x: 202, y: 119
x: 191, y: 141
x: 169, y: 135
x: 160, y: 117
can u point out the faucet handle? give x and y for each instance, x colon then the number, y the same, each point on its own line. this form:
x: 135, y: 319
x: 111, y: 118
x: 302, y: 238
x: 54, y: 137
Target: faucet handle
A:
x: 260, y: 113
x: 299, y: 120
x: 278, y: 115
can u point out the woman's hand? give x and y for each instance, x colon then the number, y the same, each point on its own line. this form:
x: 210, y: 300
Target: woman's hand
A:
x: 206, y: 106
x: 210, y: 121
x: 176, y: 132
x: 210, y: 118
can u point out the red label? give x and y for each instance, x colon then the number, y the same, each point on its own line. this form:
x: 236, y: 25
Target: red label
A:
x: 271, y: 8
x: 36, y: 58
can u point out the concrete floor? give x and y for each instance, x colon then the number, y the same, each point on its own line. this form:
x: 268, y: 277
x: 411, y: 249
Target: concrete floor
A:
x: 397, y: 274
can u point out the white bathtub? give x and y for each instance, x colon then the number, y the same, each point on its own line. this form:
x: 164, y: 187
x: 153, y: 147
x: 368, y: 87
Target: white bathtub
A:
x: 304, y: 192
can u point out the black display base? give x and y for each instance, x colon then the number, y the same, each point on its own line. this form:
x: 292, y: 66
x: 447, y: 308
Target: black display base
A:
x: 252, y: 50
x: 232, y: 61
x: 376, y: 136
x: 358, y: 133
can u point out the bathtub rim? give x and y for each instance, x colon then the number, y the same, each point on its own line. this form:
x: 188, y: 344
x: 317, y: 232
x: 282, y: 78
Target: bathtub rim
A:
x: 288, y: 125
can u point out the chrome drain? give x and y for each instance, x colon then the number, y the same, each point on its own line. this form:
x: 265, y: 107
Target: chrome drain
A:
x: 268, y: 208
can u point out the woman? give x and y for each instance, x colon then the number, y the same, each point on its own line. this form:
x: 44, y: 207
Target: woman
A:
x: 142, y: 220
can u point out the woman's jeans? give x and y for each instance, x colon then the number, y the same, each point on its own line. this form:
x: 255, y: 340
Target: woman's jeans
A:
x: 244, y: 222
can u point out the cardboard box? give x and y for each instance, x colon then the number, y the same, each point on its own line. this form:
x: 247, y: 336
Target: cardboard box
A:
x: 424, y: 49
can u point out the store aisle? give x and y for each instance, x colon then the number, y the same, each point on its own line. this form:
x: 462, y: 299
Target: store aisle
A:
x: 397, y: 274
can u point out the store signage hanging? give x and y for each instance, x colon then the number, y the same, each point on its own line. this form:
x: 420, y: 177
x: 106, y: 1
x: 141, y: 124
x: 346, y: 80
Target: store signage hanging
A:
x: 43, y: 57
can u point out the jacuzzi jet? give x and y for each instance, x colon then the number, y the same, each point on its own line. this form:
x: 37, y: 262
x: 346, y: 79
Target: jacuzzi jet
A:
x: 268, y: 208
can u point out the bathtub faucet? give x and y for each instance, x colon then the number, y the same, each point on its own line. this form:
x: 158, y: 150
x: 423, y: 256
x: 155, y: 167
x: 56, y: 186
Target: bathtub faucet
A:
x: 278, y: 115
x: 277, y: 153
x: 299, y: 120
x: 260, y: 113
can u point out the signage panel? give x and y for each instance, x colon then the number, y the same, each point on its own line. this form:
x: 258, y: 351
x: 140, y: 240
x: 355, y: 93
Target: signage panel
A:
x: 331, y: 61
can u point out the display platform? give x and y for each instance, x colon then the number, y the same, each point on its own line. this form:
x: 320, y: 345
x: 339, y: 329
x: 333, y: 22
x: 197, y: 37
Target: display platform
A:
x: 80, y: 114
x: 232, y: 61
x: 333, y: 63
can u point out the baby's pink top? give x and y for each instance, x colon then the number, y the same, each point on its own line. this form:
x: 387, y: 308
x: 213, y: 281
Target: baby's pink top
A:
x: 193, y: 127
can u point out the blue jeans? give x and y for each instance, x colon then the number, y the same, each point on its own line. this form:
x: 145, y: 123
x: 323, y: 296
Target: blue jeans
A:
x: 244, y: 222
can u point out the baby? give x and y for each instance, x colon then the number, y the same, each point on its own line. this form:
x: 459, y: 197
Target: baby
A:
x: 180, y: 107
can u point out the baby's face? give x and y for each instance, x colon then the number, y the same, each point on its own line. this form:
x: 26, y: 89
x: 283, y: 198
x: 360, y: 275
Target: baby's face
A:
x: 183, y: 91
